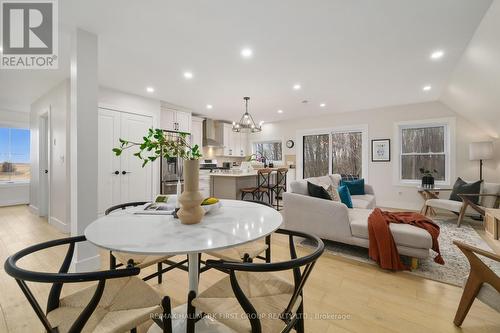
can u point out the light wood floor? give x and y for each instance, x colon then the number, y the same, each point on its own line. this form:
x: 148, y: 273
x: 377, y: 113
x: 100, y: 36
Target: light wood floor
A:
x: 373, y: 300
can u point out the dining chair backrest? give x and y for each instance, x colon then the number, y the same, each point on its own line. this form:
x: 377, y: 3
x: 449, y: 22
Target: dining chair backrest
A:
x: 295, y: 264
x: 124, y: 206
x: 264, y: 177
x: 281, y: 176
x: 57, y: 280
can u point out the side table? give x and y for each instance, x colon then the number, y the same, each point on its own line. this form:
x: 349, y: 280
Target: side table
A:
x: 492, y: 223
x: 430, y: 193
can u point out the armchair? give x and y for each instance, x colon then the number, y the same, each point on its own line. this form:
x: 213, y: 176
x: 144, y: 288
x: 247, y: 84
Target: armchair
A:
x: 482, y: 283
x: 488, y: 198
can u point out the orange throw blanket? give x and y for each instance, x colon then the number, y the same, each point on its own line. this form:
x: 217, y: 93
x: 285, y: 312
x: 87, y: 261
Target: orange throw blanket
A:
x: 382, y: 246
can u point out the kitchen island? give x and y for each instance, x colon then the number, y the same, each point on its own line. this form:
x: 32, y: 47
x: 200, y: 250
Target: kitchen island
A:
x: 228, y: 185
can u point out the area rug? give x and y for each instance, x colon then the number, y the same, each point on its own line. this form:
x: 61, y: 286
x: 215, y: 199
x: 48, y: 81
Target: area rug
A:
x: 456, y: 267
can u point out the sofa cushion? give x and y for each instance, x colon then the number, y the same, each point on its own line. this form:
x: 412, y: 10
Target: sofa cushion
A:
x: 345, y: 196
x: 299, y: 187
x: 462, y: 187
x: 317, y: 191
x: 335, y: 179
x: 450, y: 205
x: 489, y: 188
x: 404, y: 234
x: 356, y: 187
x: 323, y: 181
x: 363, y: 201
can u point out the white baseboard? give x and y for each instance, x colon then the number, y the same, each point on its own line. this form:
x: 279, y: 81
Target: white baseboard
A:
x: 60, y: 225
x: 6, y: 203
x: 86, y: 265
x: 33, y: 209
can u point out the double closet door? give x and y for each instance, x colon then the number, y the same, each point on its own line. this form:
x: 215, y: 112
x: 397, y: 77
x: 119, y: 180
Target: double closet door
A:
x: 122, y: 178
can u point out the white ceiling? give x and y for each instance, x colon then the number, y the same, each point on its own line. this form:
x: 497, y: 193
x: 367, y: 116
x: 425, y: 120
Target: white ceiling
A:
x: 350, y: 55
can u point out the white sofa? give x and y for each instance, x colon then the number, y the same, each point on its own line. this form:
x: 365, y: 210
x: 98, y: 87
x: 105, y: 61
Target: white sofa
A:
x: 332, y: 220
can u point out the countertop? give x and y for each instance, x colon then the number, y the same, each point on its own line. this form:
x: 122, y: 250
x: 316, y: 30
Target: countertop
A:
x: 236, y: 174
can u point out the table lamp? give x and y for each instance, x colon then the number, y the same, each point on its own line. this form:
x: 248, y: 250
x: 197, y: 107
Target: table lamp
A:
x: 479, y: 151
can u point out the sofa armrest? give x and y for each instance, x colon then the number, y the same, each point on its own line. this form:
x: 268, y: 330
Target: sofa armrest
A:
x: 324, y: 218
x: 369, y: 189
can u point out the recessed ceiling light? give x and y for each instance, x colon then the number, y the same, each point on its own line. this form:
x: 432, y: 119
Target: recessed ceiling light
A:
x: 210, y: 106
x: 280, y: 111
x: 437, y: 54
x: 246, y: 53
x: 297, y: 86
x: 150, y: 89
x: 188, y: 75
x: 426, y: 88
x: 322, y: 105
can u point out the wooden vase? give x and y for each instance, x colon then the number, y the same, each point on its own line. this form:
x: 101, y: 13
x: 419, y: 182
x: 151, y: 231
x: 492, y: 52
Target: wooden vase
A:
x: 191, y: 211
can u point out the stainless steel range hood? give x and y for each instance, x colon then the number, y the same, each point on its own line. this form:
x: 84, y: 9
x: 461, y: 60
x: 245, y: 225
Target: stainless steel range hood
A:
x: 211, y: 135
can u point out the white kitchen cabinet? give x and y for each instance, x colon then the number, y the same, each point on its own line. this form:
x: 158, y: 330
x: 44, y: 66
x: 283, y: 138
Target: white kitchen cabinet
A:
x: 227, y: 139
x: 121, y: 178
x: 197, y: 132
x: 174, y: 120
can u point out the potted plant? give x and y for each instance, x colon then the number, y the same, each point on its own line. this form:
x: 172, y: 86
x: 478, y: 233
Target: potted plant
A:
x: 427, y: 177
x: 157, y: 144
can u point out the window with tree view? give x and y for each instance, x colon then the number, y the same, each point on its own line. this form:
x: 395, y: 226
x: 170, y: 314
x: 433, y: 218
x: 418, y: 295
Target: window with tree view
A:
x: 315, y: 155
x: 423, y: 147
x: 347, y: 153
x: 14, y: 154
x: 271, y: 150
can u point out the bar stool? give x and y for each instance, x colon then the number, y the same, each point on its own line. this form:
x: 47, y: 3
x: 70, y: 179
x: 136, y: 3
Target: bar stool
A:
x: 279, y: 187
x: 263, y: 181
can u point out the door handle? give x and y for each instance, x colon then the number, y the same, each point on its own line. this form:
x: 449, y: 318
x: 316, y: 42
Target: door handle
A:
x: 116, y: 172
x: 124, y: 172
x: 46, y: 171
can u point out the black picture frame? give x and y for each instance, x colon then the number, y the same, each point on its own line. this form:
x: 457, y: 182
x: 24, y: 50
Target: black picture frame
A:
x: 382, y: 159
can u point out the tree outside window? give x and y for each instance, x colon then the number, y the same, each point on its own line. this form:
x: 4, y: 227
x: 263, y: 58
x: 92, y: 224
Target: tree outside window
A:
x: 423, y: 147
x: 14, y: 154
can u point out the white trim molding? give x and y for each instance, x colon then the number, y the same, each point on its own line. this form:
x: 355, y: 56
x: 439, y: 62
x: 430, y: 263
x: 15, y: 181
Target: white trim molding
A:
x: 450, y: 148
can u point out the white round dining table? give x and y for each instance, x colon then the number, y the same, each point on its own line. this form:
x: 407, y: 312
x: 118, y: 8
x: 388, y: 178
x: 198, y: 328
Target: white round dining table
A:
x: 234, y: 223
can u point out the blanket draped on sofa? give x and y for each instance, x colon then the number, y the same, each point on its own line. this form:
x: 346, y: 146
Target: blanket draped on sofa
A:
x: 382, y: 246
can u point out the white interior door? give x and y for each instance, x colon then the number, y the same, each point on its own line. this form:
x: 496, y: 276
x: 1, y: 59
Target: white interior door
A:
x: 109, y: 171
x: 44, y: 165
x: 136, y: 181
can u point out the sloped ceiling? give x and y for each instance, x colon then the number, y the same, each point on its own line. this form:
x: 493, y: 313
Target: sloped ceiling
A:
x: 474, y: 87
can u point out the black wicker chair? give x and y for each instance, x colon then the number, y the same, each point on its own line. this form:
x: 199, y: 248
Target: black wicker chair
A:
x: 117, y: 259
x: 76, y: 312
x: 258, y: 291
x: 250, y: 251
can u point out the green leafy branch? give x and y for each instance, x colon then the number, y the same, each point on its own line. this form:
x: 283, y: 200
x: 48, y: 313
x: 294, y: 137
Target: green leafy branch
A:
x: 156, y: 144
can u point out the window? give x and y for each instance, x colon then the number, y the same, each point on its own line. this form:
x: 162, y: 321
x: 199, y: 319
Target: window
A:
x: 424, y: 146
x: 347, y: 153
x: 315, y: 155
x: 270, y: 150
x: 334, y: 151
x: 14, y: 154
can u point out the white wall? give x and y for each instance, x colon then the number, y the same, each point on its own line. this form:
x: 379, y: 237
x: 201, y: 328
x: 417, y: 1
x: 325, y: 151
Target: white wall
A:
x: 14, y: 118
x: 381, y: 125
x: 116, y: 100
x: 57, y: 101
x: 473, y: 87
